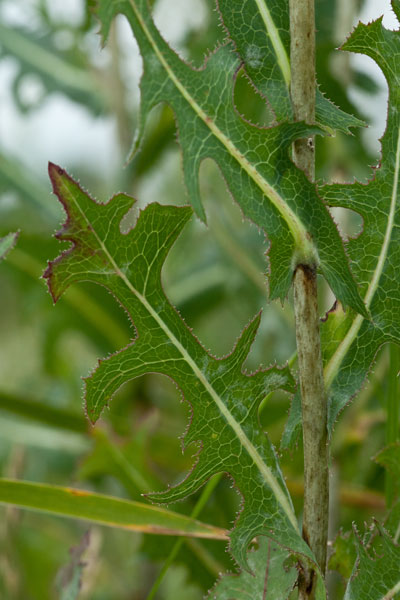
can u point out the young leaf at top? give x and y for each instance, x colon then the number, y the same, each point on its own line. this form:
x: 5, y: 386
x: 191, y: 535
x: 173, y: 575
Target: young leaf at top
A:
x: 349, y: 341
x: 224, y: 401
x: 375, y: 577
x: 260, y: 31
x: 254, y: 161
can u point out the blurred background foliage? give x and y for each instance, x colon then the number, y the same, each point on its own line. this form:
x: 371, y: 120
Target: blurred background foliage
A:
x: 67, y: 100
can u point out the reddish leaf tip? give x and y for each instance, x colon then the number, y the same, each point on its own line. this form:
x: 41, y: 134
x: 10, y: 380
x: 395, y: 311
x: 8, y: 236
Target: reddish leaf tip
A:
x: 53, y: 168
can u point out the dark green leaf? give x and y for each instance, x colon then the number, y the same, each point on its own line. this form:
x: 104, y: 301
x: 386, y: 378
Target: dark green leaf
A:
x: 255, y: 162
x: 224, y: 400
x: 260, y: 32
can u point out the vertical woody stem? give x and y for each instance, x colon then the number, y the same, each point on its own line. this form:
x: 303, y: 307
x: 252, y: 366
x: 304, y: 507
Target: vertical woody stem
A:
x: 314, y: 409
x: 314, y: 401
x: 302, y: 85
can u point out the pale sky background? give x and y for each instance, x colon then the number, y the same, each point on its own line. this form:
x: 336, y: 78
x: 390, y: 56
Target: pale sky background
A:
x: 46, y: 133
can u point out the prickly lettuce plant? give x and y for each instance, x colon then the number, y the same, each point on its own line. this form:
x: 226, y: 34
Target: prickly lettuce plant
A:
x: 350, y: 342
x: 257, y: 164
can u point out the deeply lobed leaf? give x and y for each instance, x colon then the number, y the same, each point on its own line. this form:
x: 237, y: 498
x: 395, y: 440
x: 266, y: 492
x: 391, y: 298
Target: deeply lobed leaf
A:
x: 224, y: 401
x: 255, y: 162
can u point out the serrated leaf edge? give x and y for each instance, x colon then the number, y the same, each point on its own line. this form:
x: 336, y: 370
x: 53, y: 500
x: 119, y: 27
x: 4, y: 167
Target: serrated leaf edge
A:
x: 297, y: 229
x: 235, y: 426
x: 361, y: 548
x: 336, y: 360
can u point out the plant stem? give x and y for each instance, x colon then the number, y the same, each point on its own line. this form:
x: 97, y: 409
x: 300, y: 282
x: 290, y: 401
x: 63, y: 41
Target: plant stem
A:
x: 314, y: 409
x: 314, y: 401
x: 302, y: 85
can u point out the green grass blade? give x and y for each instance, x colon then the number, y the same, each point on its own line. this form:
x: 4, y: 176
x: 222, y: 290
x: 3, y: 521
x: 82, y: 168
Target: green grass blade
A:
x: 104, y: 510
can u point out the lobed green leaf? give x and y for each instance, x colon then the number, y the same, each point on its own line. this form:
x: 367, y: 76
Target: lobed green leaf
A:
x: 255, y: 162
x: 223, y: 399
x: 260, y: 31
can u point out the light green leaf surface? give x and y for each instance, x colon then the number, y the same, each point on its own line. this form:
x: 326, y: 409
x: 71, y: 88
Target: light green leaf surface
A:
x: 260, y: 30
x: 104, y: 510
x: 350, y: 342
x: 273, y: 576
x: 255, y: 162
x: 375, y: 576
x: 224, y: 401
x: 7, y: 243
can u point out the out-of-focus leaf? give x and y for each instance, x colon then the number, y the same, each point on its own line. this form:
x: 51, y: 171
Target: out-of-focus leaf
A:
x: 344, y: 554
x: 69, y: 578
x: 56, y: 72
x: 389, y: 458
x: 7, y: 243
x: 105, y: 510
x: 108, y: 458
x: 41, y: 412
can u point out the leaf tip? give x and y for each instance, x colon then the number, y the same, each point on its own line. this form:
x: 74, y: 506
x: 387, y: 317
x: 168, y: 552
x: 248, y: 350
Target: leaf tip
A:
x: 48, y: 277
x: 55, y: 173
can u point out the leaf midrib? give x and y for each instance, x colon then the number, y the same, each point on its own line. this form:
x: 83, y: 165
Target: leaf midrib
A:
x: 279, y: 49
x: 245, y: 442
x: 336, y: 360
x: 296, y: 227
x: 391, y: 593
